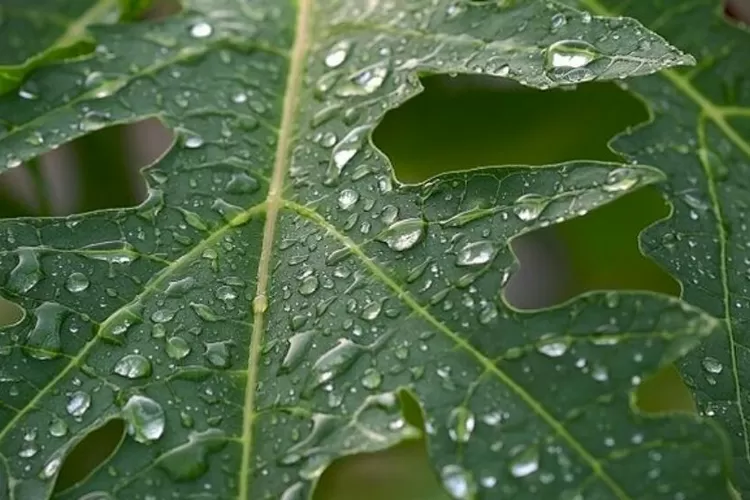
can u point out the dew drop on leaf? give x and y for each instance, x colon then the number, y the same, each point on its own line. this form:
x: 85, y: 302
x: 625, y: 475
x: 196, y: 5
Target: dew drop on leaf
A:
x: 476, y: 253
x: 217, y: 354
x: 177, y: 347
x: 525, y: 462
x: 530, y: 206
x: 621, y: 179
x: 201, y: 30
x: 27, y: 272
x: 460, y: 424
x: 553, y: 348
x: 570, y: 54
x: 712, y: 365
x: 299, y: 344
x: 458, y: 482
x: 43, y: 341
x: 404, y: 234
x: 76, y: 282
x: 338, y: 53
x: 145, y: 418
x: 371, y: 379
x: 133, y: 366
x: 78, y: 403
x: 58, y: 427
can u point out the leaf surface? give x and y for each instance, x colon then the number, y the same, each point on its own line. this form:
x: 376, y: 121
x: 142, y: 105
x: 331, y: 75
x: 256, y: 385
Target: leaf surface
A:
x: 280, y: 300
x: 42, y: 32
x: 701, y: 139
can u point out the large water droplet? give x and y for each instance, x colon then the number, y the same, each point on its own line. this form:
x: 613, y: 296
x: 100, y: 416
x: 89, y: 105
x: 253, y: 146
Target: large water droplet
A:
x: 145, y: 418
x: 530, y: 206
x: 365, y: 81
x: 27, y: 272
x: 177, y: 347
x: 201, y: 30
x: 133, y: 366
x: 371, y: 379
x: 476, y: 253
x: 58, y: 427
x: 298, y: 347
x: 217, y: 354
x: 344, y: 151
x: 347, y: 199
x: 526, y: 462
x: 43, y: 341
x: 570, y: 54
x: 553, y: 348
x: 76, y: 282
x: 621, y: 179
x: 404, y: 234
x: 180, y: 287
x: 78, y: 403
x: 338, y: 53
x: 458, y: 482
x: 460, y: 424
x: 712, y: 365
x: 189, y: 461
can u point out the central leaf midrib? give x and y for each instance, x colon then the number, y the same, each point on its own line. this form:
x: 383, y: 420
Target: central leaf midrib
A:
x: 274, y: 202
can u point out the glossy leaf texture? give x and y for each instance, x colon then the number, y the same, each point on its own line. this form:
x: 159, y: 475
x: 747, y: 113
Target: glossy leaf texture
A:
x: 280, y: 297
x: 34, y: 33
x: 701, y: 139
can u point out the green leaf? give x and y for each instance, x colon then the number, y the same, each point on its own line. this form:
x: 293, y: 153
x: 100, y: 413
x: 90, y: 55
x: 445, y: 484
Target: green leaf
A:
x: 280, y: 299
x: 701, y: 139
x: 34, y: 34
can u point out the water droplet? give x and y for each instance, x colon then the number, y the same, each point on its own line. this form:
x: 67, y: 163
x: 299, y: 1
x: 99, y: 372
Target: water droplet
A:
x: 526, y: 462
x: 344, y: 151
x: 712, y: 365
x: 338, y: 54
x: 193, y: 142
x: 163, y: 315
x: 347, y: 199
x: 530, y: 206
x: 94, y: 120
x: 179, y: 288
x: 460, y: 424
x: 242, y: 184
x: 621, y: 179
x: 309, y: 285
x: 58, y: 427
x: 177, y: 347
x: 458, y: 482
x: 365, y: 81
x: 29, y: 91
x: 76, y: 282
x: 145, y: 418
x: 553, y: 348
x: 371, y: 379
x: 476, y: 253
x: 78, y: 403
x: 201, y: 30
x: 27, y: 272
x: 43, y: 341
x: 189, y: 461
x: 217, y: 354
x: 404, y: 234
x: 558, y: 20
x: 133, y: 366
x: 570, y: 54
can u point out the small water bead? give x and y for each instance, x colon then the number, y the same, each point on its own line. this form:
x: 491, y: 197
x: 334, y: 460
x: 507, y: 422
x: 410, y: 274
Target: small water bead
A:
x: 338, y: 54
x: 242, y: 183
x: 177, y: 347
x: 570, y: 54
x: 78, y: 403
x: 458, y: 482
x: 404, y: 234
x: 621, y: 179
x: 460, y: 424
x: 476, y: 253
x: 526, y: 462
x: 145, y: 418
x: 345, y: 150
x: 553, y: 348
x: 133, y: 366
x: 179, y: 288
x: 558, y: 20
x: 328, y: 140
x: 712, y: 365
x: 201, y: 30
